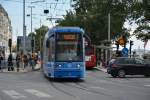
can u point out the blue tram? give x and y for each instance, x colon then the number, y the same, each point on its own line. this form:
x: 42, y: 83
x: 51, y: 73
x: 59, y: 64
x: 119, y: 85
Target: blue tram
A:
x: 63, y: 53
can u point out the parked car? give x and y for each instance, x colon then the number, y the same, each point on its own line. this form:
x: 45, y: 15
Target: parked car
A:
x: 122, y: 66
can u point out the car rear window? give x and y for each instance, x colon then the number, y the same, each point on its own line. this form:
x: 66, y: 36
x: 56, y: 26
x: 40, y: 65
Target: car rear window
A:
x: 125, y: 61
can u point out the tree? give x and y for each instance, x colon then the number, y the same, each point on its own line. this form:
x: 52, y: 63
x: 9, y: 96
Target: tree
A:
x: 140, y: 14
x: 39, y: 37
x: 31, y: 34
x: 92, y: 16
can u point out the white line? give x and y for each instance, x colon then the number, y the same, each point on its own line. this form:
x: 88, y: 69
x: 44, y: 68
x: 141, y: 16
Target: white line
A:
x: 147, y: 85
x: 97, y: 87
x: 37, y: 93
x: 13, y: 94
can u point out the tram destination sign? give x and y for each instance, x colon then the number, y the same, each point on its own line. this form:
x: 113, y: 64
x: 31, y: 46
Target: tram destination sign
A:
x: 67, y: 36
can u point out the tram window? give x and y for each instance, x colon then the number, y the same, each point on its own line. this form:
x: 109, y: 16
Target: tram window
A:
x: 46, y: 54
x: 51, y: 51
x: 69, y: 47
x: 48, y: 41
x: 52, y: 48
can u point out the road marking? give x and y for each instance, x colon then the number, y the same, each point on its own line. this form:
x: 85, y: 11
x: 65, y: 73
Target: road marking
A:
x: 97, y: 87
x: 147, y: 85
x: 13, y: 94
x: 38, y: 93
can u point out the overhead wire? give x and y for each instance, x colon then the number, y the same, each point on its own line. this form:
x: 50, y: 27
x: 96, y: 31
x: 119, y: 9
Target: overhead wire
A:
x: 17, y: 1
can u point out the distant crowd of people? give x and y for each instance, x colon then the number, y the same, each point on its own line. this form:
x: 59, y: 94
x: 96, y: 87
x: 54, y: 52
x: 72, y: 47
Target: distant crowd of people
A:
x: 23, y: 61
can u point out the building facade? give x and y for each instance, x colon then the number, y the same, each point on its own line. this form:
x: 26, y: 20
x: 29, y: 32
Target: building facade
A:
x: 5, y: 30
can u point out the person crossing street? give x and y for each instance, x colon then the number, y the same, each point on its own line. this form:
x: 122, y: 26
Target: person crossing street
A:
x: 18, y: 59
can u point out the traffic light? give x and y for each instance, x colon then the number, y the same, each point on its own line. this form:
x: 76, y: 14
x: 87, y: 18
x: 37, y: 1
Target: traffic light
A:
x: 10, y: 42
x: 131, y: 42
x: 32, y: 43
x: 125, y: 39
x: 117, y: 45
x: 46, y: 11
x: 18, y: 43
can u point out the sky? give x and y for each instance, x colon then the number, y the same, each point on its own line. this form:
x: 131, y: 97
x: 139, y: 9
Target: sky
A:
x: 57, y: 8
x: 14, y: 9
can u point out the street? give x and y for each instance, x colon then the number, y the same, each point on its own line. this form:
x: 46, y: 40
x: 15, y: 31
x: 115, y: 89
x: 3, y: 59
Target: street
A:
x: 97, y: 86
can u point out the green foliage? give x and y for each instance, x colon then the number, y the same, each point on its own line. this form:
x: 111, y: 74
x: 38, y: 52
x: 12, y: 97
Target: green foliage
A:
x: 92, y: 16
x: 40, y: 33
x: 39, y: 36
x: 31, y: 34
x: 140, y: 13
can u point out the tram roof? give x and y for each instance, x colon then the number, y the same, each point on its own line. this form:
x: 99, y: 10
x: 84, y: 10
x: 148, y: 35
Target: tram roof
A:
x: 66, y: 29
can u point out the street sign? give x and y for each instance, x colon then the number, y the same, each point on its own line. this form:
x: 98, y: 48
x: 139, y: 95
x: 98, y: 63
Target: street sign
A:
x: 121, y: 41
x: 125, y: 52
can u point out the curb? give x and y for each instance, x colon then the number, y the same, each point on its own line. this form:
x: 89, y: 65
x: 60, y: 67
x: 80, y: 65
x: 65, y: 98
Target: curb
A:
x: 15, y: 71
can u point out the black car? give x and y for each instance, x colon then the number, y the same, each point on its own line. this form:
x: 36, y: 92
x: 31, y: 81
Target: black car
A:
x: 122, y: 66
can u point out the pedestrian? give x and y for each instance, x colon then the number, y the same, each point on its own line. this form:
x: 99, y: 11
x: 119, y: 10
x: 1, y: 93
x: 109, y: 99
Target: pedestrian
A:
x: 29, y: 59
x: 32, y: 61
x: 18, y: 59
x: 10, y: 63
x: 1, y: 59
x: 25, y: 61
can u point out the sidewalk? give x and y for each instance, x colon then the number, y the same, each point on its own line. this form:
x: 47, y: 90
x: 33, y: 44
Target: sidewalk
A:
x: 28, y: 68
x: 21, y: 69
x: 101, y: 68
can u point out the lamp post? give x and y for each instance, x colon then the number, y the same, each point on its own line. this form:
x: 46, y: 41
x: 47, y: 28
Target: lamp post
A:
x: 108, y: 26
x: 24, y: 28
x: 32, y: 40
x: 109, y: 41
x: 40, y: 39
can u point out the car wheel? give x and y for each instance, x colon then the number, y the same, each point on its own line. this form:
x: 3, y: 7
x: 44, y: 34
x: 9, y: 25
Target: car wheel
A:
x: 147, y: 75
x: 114, y: 75
x: 121, y: 73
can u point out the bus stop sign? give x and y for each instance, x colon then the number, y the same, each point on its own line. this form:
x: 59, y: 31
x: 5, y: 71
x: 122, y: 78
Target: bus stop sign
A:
x: 124, y: 52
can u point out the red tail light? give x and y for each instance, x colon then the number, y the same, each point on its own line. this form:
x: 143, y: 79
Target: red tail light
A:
x: 114, y: 65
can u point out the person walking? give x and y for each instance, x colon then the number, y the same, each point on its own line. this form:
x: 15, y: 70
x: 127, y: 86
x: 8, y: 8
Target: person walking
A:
x: 10, y: 63
x: 18, y: 59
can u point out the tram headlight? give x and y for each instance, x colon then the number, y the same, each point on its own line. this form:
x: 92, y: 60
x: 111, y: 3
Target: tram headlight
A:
x: 59, y: 66
x: 78, y: 65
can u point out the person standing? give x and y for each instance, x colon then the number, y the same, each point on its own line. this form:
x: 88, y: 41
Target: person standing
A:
x: 1, y: 59
x: 10, y: 63
x: 18, y: 59
x: 33, y: 61
x: 25, y: 61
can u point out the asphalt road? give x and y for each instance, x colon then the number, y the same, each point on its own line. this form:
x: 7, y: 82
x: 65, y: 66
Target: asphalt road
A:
x: 97, y: 86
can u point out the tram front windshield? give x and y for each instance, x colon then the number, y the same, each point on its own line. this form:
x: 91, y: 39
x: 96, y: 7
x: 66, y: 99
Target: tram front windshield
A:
x: 69, y: 47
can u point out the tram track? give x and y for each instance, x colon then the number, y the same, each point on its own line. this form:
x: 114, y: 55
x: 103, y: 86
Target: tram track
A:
x: 58, y: 88
x: 62, y: 85
x: 82, y: 87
